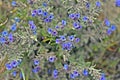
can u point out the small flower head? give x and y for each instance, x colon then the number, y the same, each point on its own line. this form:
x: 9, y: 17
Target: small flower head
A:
x: 75, y: 73
x: 13, y: 3
x: 107, y: 22
x: 14, y: 73
x: 17, y: 19
x: 77, y: 40
x: 71, y: 38
x: 2, y: 40
x: 62, y: 38
x: 54, y: 33
x: 13, y: 27
x: 45, y: 13
x: 77, y: 15
x: 8, y: 66
x: 36, y: 62
x: 44, y: 4
x: 58, y: 41
x: 10, y: 37
x: 64, y: 22
x: 85, y: 18
x: 113, y: 27
x: 14, y: 63
x: 51, y: 16
x: 72, y: 76
x: 39, y: 11
x: 109, y: 31
x: 5, y: 33
x: 55, y: 72
x: 49, y: 30
x: 34, y: 13
x: 36, y: 69
x: 65, y: 67
x: 98, y: 4
x: 102, y: 77
x: 72, y: 16
x: 85, y: 72
x: 88, y: 5
x: 51, y: 58
x: 117, y: 3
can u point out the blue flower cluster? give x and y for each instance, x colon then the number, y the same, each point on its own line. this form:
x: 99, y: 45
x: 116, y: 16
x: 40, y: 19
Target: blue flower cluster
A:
x: 46, y: 17
x: 67, y: 42
x: 111, y: 27
x: 36, y: 68
x: 13, y: 64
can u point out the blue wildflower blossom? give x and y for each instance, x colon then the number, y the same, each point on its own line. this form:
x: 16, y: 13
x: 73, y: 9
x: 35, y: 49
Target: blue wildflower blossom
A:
x: 45, y: 13
x: 75, y: 73
x: 113, y: 27
x: 62, y: 38
x: 71, y: 38
x: 39, y: 11
x: 44, y: 4
x: 10, y: 37
x: 36, y: 69
x: 13, y: 27
x: 34, y: 13
x: 77, y: 15
x: 109, y: 31
x: 102, y: 77
x: 88, y: 5
x: 14, y: 73
x: 72, y: 76
x: 36, y: 62
x: 2, y: 40
x: 72, y: 16
x: 77, y: 40
x: 84, y: 18
x: 5, y: 33
x: 51, y: 16
x: 8, y: 66
x: 13, y: 3
x: 85, y: 72
x: 14, y: 63
x: 17, y: 19
x: 107, y: 22
x: 51, y: 59
x: 65, y: 66
x: 98, y: 4
x: 117, y: 3
x: 49, y: 30
x: 64, y: 22
x: 58, y: 41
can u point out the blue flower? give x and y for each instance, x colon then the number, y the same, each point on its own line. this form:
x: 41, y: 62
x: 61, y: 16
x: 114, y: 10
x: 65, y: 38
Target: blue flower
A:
x: 30, y: 22
x: 17, y: 19
x: 85, y: 18
x: 77, y: 15
x: 13, y: 3
x: 36, y: 62
x: 33, y: 27
x: 44, y: 4
x: 2, y: 40
x: 64, y: 22
x: 14, y: 73
x: 5, y: 33
x: 51, y: 16
x: 51, y: 59
x: 107, y: 22
x: 39, y: 11
x: 34, y: 13
x: 71, y: 38
x: 75, y: 73
x: 62, y: 38
x: 117, y: 3
x: 113, y: 27
x: 85, y: 72
x: 45, y: 13
x: 67, y: 46
x: 13, y: 27
x: 65, y: 66
x: 109, y: 31
x: 47, y: 20
x: 72, y: 76
x: 14, y: 63
x: 55, y: 72
x: 87, y: 5
x: 98, y: 4
x: 72, y: 16
x: 75, y: 25
x: 36, y: 69
x: 57, y: 27
x: 54, y: 33
x: 77, y: 40
x: 58, y: 41
x: 8, y: 66
x: 49, y: 30
x: 102, y: 77
x: 10, y: 37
